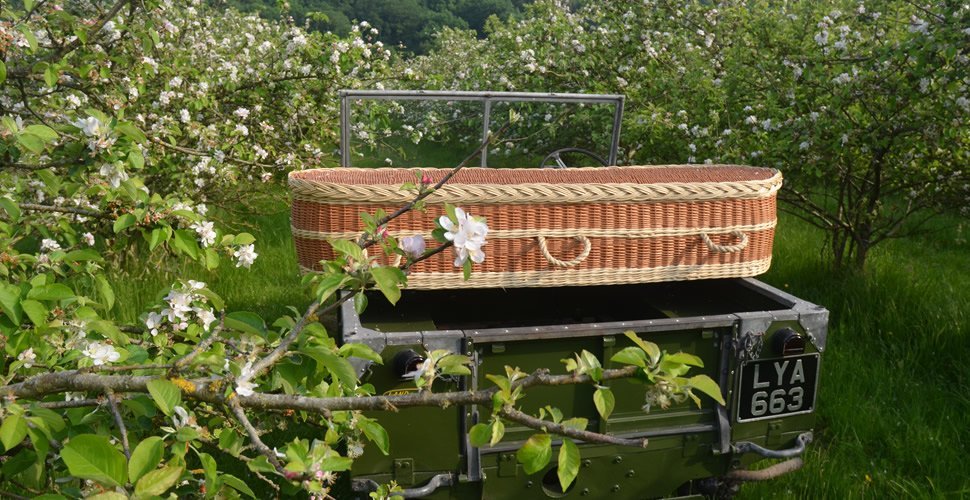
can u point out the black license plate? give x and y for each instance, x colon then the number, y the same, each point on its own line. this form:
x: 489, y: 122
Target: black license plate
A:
x: 772, y: 388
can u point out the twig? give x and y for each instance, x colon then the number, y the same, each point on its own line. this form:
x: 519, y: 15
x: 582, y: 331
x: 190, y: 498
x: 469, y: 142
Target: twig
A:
x: 280, y: 351
x: 254, y: 436
x: 77, y: 403
x: 587, y: 436
x: 66, y: 210
x: 119, y: 422
x: 365, y: 240
x: 201, y: 346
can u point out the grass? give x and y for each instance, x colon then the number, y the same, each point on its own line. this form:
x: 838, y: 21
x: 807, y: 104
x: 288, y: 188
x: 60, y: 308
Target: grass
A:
x: 894, y: 401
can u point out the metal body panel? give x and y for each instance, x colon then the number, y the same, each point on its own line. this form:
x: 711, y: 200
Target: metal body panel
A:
x: 519, y: 328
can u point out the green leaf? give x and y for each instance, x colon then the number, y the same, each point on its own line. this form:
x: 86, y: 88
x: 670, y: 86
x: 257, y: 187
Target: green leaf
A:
x: 243, y: 239
x: 708, y: 386
x: 338, y: 366
x: 29, y: 35
x: 498, y: 432
x: 84, y: 255
x: 604, y: 400
x: 157, y: 237
x: 360, y: 351
x: 36, y: 311
x: 238, y: 485
x: 336, y: 463
x: 631, y: 356
x: 11, y: 207
x: 685, y: 358
x: 54, y: 291
x: 388, y: 280
x: 45, y: 133
x: 360, y: 303
x: 166, y: 394
x: 330, y: 284
x: 136, y: 159
x: 89, y: 456
x: 124, y: 222
x: 348, y: 248
x: 158, y: 481
x: 31, y: 142
x: 145, y: 457
x: 10, y: 302
x: 246, y: 322
x: 3, y: 72
x: 106, y: 292
x: 108, y: 495
x: 535, y: 454
x: 185, y: 242
x: 131, y: 131
x: 648, y: 347
x: 480, y: 434
x: 568, y: 463
x: 375, y: 432
x: 13, y: 430
x: 466, y: 269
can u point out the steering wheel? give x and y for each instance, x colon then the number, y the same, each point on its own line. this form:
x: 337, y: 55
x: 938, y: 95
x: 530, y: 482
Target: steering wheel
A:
x: 559, y: 163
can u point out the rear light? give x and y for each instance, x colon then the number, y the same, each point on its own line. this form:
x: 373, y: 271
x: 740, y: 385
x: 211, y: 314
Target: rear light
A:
x: 788, y: 342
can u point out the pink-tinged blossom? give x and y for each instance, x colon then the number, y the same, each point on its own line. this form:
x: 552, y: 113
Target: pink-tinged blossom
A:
x: 414, y: 246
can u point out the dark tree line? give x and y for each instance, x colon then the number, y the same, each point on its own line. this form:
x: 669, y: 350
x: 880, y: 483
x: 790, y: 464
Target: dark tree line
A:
x: 411, y: 23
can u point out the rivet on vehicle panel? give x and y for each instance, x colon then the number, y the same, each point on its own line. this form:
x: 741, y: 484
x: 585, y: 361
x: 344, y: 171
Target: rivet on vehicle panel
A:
x: 631, y: 473
x: 584, y: 492
x: 587, y: 462
x: 617, y: 459
x: 615, y: 488
x: 528, y: 484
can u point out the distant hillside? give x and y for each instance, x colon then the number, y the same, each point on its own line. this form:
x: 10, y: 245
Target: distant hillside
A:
x: 408, y: 22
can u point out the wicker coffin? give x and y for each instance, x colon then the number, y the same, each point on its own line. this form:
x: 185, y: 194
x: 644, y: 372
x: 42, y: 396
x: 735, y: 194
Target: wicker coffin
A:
x: 559, y: 227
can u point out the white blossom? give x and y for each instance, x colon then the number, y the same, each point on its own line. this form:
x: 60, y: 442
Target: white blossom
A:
x: 241, y: 113
x: 207, y: 235
x: 153, y: 321
x: 27, y: 357
x: 245, y: 255
x: 468, y: 236
x: 101, y: 353
x: 49, y: 245
x: 88, y: 238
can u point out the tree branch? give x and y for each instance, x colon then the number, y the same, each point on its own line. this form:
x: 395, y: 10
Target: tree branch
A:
x: 64, y: 210
x: 120, y: 423
x: 587, y: 436
x: 254, y: 436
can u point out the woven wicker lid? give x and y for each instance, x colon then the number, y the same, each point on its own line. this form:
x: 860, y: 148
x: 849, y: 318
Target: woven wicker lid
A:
x: 635, y: 184
x: 651, y: 174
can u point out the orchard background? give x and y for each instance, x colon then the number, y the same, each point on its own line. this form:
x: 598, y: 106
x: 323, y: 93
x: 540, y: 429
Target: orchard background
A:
x: 149, y: 291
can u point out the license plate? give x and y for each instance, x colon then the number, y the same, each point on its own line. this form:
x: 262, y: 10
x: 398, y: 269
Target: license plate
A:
x: 772, y: 388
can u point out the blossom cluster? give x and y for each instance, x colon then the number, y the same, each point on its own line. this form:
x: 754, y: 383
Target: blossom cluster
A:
x: 184, y: 305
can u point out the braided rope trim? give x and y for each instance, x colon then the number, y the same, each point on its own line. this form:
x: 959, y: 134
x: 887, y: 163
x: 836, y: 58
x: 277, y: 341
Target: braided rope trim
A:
x: 581, y: 277
x: 537, y: 193
x: 560, y: 232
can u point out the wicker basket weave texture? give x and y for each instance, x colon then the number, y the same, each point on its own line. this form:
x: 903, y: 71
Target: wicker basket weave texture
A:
x: 612, y: 225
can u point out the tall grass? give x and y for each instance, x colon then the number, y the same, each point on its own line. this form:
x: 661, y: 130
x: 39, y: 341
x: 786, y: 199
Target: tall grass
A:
x: 894, y: 400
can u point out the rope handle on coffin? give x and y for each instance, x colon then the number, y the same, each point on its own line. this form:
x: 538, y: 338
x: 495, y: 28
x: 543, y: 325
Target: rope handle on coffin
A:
x: 714, y: 247
x: 587, y: 246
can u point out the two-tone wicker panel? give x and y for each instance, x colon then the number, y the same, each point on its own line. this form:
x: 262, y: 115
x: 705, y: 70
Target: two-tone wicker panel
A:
x: 587, y: 226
